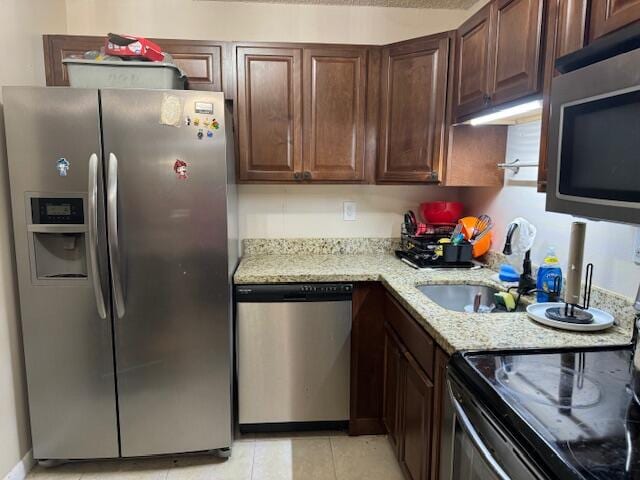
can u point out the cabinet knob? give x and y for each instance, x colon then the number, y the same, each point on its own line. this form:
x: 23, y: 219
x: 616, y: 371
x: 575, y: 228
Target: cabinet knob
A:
x: 307, y: 175
x: 297, y: 175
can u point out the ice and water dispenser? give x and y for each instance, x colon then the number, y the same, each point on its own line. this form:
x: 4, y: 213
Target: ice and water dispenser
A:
x: 57, y: 238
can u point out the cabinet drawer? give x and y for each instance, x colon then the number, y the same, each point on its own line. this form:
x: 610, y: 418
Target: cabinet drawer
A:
x: 411, y: 334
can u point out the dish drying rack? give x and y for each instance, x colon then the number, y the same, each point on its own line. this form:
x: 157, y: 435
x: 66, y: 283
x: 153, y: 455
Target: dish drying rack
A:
x: 424, y: 250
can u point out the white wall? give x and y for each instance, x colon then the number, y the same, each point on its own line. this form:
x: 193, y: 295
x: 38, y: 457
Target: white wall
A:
x: 22, y: 23
x: 608, y: 245
x: 257, y: 21
x: 276, y: 210
x: 304, y: 211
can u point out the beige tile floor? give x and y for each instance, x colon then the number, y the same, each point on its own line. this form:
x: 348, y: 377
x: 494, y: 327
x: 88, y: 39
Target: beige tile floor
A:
x: 304, y: 456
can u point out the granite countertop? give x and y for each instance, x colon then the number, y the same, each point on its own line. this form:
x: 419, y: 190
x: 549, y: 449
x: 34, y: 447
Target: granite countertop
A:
x: 453, y: 331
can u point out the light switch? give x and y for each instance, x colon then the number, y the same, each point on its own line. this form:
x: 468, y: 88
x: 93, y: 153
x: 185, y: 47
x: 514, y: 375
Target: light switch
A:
x: 349, y: 211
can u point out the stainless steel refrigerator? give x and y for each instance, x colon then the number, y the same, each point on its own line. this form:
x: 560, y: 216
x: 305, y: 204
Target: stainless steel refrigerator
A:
x: 124, y: 219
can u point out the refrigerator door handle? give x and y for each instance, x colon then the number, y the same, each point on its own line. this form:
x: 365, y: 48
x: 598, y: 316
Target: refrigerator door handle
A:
x: 92, y: 217
x: 112, y: 234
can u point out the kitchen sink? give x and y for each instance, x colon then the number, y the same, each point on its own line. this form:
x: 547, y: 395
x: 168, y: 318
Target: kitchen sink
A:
x: 458, y: 296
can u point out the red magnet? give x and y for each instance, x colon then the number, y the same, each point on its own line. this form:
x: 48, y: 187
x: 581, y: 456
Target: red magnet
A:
x: 180, y: 168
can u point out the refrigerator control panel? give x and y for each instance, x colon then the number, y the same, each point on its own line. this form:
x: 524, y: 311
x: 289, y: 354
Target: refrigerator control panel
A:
x: 58, y: 210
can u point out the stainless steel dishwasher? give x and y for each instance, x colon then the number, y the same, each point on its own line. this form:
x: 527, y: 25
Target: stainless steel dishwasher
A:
x: 293, y: 356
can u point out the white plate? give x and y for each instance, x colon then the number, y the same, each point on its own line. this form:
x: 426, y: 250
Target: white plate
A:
x: 601, y: 319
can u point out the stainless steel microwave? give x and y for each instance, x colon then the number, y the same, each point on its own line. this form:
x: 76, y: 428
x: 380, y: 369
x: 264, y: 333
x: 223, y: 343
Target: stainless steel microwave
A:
x: 594, y: 141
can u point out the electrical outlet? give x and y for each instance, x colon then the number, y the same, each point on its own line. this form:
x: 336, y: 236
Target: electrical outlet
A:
x: 636, y: 247
x: 349, y: 211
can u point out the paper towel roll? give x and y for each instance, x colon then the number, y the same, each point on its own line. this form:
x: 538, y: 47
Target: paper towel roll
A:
x: 574, y: 267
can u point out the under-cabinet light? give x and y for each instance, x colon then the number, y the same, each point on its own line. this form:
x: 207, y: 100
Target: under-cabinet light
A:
x: 507, y: 112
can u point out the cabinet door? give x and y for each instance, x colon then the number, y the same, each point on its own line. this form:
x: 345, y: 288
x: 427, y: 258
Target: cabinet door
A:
x: 393, y: 355
x: 609, y: 15
x: 413, y: 101
x: 565, y: 27
x: 416, y: 420
x: 269, y: 113
x: 472, y: 64
x: 335, y: 111
x: 201, y: 60
x: 571, y: 26
x: 439, y: 390
x: 367, y: 359
x: 515, y: 62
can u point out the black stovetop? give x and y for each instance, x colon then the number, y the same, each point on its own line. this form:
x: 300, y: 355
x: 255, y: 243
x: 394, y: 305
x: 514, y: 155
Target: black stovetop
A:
x: 574, y: 410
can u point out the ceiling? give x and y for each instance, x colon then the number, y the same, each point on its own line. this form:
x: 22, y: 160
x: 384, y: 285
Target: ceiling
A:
x: 449, y: 4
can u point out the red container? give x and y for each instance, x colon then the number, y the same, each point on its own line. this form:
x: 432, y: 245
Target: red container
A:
x: 441, y: 212
x: 139, y: 48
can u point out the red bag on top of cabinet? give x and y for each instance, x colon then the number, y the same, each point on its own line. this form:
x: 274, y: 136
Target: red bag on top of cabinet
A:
x: 130, y: 46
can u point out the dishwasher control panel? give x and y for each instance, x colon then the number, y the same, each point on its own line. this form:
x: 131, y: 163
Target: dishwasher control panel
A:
x: 294, y: 292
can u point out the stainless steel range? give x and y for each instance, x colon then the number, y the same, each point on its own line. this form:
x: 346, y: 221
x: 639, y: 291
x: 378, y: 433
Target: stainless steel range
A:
x: 565, y: 414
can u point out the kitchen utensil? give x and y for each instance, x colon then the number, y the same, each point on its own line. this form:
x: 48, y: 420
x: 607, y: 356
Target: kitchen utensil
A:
x: 482, y: 244
x: 482, y: 226
x: 410, y: 222
x: 601, y: 319
x: 456, y: 232
x: 441, y: 211
x: 458, y: 239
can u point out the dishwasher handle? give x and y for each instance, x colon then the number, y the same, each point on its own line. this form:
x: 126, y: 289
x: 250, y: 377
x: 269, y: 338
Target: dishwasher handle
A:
x: 294, y: 292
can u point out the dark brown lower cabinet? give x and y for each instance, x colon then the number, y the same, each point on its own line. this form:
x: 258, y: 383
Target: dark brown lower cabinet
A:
x: 367, y: 359
x: 416, y: 410
x: 414, y: 370
x: 393, y: 358
x: 397, y: 380
x: 439, y: 379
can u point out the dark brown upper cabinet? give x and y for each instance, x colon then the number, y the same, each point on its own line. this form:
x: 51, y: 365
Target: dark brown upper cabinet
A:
x: 609, y: 15
x: 202, y: 61
x: 515, y: 62
x: 413, y: 110
x: 269, y: 113
x: 565, y: 32
x: 472, y: 64
x: 334, y: 104
x: 498, y: 56
x: 302, y: 113
x: 568, y: 27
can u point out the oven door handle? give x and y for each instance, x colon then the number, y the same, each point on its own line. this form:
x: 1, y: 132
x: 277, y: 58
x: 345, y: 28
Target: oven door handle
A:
x: 470, y: 430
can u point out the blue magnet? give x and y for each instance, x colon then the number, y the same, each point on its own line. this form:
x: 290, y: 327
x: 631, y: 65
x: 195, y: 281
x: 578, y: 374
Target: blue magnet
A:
x: 62, y: 165
x: 209, y: 134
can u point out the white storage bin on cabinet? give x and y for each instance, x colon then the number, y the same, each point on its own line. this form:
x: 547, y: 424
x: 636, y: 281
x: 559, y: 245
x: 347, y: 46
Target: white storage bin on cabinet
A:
x: 125, y: 74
